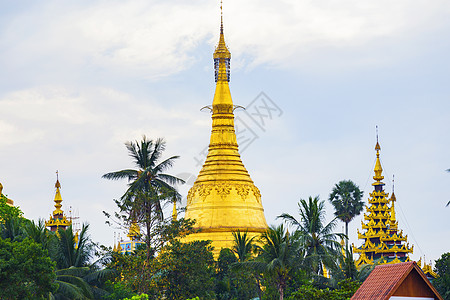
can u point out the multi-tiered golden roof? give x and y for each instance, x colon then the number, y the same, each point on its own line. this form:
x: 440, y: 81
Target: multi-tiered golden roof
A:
x: 382, y: 240
x: 224, y: 198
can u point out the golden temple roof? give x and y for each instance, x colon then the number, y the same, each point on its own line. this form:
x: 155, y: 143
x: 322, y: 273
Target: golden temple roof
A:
x: 58, y: 219
x: 382, y: 241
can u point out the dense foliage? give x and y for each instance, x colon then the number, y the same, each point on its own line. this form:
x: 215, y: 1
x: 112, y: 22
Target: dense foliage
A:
x: 308, y: 292
x: 442, y: 268
x: 26, y: 271
x: 302, y: 263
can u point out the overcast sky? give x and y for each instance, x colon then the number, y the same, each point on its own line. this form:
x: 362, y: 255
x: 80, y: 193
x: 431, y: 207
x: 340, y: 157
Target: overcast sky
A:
x: 80, y: 78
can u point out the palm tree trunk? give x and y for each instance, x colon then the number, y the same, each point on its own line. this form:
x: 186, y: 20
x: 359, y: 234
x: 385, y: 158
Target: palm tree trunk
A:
x: 258, y: 285
x: 281, y: 291
x: 346, y: 233
x: 148, y: 228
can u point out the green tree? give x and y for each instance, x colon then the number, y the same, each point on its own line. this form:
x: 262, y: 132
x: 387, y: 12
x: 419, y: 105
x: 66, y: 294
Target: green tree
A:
x: 11, y: 221
x: 68, y: 252
x: 76, y: 276
x: 278, y: 255
x: 26, y: 271
x: 232, y: 283
x: 186, y: 270
x: 346, y: 198
x: 148, y: 185
x: 243, y: 245
x: 40, y: 234
x: 140, y: 275
x: 345, y: 291
x: 317, y: 239
x: 442, y: 269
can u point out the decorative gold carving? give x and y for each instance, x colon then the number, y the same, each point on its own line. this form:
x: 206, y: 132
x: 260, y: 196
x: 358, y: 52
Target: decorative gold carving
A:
x: 242, y: 190
x: 257, y: 193
x: 204, y: 190
x: 223, y: 189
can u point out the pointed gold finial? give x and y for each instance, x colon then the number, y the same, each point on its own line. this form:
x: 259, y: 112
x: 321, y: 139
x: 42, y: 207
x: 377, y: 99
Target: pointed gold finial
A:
x: 377, y: 146
x: 57, y: 184
x: 221, y: 18
x: 58, y: 198
x: 378, y: 169
x: 222, y: 56
x: 393, y: 198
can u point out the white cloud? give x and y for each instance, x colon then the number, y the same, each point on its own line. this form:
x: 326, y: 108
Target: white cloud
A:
x: 153, y: 39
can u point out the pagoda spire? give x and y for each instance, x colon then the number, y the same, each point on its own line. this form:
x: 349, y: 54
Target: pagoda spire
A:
x: 378, y: 169
x: 393, y: 199
x: 58, y: 219
x: 223, y: 198
x: 58, y: 198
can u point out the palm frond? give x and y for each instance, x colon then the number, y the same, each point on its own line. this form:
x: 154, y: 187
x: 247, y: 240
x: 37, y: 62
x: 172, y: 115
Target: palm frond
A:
x: 128, y: 174
x: 170, y: 179
x: 100, y: 275
x: 158, y: 149
x: 165, y: 164
x: 78, y: 282
x: 68, y: 291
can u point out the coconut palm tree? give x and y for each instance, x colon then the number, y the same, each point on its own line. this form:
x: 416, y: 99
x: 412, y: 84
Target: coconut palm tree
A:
x: 243, y: 245
x: 278, y: 254
x: 148, y: 185
x: 76, y: 276
x: 316, y: 238
x: 72, y: 249
x: 346, y: 199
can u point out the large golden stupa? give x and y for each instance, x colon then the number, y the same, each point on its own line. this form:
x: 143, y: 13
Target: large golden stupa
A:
x: 224, y: 198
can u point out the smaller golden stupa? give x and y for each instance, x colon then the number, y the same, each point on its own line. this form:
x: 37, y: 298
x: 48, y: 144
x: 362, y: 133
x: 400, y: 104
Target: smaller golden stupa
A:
x: 8, y: 201
x: 58, y: 220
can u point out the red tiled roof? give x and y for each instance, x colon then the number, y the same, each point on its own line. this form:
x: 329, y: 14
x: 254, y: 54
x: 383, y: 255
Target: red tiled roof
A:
x: 382, y: 280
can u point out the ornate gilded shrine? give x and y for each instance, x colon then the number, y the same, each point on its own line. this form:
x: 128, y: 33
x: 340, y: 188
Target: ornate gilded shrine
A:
x: 130, y: 245
x: 382, y: 239
x: 224, y: 198
x: 58, y: 219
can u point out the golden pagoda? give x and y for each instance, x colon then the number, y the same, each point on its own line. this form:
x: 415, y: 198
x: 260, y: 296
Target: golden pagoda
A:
x: 8, y: 201
x: 224, y: 198
x: 58, y: 219
x: 382, y: 240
